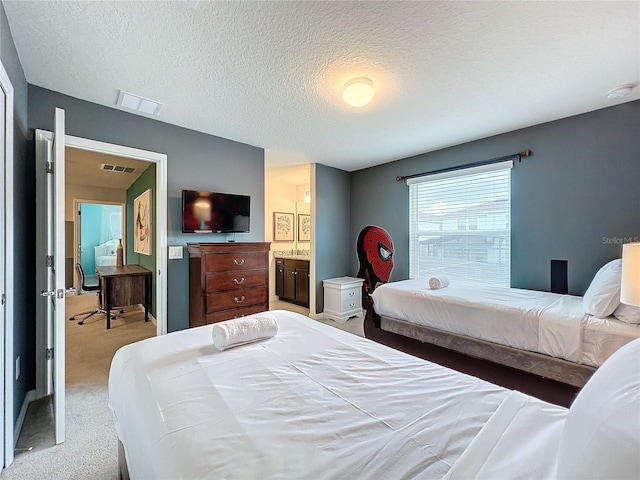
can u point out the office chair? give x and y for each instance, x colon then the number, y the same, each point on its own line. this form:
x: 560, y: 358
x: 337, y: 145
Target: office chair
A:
x: 84, y: 288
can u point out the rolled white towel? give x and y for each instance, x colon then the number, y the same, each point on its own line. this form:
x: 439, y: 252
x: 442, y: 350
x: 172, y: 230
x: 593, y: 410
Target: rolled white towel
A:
x: 438, y: 281
x: 239, y: 331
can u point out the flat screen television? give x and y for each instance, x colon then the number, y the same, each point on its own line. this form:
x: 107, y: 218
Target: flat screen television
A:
x: 211, y: 212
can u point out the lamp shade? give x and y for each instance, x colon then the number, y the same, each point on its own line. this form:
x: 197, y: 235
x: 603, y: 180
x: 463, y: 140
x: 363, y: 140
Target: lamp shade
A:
x: 630, y: 289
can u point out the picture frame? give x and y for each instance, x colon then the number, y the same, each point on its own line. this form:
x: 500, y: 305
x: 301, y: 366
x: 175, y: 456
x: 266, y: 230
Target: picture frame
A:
x: 304, y: 227
x: 283, y: 227
x: 142, y: 216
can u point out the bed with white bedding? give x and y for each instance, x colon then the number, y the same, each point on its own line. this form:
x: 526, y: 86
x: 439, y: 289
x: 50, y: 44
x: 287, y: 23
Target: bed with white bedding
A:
x: 542, y: 322
x: 105, y: 253
x: 317, y: 402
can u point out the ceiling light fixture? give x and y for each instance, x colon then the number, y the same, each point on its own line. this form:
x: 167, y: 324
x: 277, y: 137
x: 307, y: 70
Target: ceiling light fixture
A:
x: 619, y: 92
x: 358, y: 92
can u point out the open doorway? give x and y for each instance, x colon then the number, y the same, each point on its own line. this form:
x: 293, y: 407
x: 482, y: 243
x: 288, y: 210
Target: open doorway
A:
x: 100, y: 234
x: 288, y: 199
x: 100, y: 189
x: 51, y: 189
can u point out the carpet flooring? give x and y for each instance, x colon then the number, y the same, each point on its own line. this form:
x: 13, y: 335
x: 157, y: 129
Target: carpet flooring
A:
x: 90, y: 449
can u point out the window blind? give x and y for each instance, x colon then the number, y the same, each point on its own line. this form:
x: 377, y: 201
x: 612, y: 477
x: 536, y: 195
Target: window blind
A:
x: 460, y: 225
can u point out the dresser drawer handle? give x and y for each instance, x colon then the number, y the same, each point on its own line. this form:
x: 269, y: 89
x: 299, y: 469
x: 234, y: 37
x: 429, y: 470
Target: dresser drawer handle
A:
x: 351, y: 294
x: 238, y: 300
x: 238, y: 262
x: 238, y: 282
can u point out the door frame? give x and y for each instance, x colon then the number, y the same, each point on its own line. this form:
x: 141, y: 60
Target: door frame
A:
x: 6, y: 333
x: 160, y: 159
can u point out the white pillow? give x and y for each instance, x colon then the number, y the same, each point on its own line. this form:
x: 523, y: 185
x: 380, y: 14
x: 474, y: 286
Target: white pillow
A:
x: 603, y: 295
x: 627, y: 313
x: 601, y: 435
x: 240, y: 331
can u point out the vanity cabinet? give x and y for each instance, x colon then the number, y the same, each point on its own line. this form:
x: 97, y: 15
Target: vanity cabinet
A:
x: 292, y: 280
x: 227, y: 280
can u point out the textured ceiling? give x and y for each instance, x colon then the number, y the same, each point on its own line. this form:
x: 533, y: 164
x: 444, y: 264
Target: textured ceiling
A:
x: 270, y: 74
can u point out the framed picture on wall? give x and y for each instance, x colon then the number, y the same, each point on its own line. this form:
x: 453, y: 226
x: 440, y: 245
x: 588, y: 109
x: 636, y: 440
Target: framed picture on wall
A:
x: 142, y: 223
x: 283, y: 227
x: 304, y: 227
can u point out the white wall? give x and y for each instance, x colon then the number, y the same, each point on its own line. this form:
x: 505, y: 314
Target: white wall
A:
x: 93, y: 194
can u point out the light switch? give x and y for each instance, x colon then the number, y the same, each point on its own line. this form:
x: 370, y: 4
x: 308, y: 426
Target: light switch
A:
x: 175, y: 252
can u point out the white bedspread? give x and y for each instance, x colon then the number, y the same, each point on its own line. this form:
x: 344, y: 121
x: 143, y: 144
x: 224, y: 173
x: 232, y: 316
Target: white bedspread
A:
x: 561, y: 327
x: 520, y: 440
x: 530, y: 320
x: 311, y: 402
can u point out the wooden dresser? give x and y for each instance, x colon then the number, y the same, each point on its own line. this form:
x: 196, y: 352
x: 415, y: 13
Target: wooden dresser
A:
x: 227, y: 280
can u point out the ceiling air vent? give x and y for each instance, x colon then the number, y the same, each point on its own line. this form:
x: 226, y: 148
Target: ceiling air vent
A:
x: 139, y: 104
x: 117, y: 168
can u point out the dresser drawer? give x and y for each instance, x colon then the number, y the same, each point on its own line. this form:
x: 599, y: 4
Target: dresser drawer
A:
x: 236, y: 261
x: 351, y: 294
x: 351, y: 299
x: 219, y: 282
x: 233, y: 299
x: 233, y: 313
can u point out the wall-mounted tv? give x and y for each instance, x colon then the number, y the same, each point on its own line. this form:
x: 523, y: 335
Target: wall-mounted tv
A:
x: 211, y: 212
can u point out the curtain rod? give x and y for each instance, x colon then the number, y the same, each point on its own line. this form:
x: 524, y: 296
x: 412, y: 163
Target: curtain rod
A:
x: 525, y: 153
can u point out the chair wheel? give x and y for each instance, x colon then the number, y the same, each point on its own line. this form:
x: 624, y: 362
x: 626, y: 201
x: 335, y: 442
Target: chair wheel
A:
x: 81, y: 322
x: 72, y: 318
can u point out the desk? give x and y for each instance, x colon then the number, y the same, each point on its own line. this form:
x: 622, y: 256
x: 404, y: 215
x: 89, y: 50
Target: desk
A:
x: 125, y: 285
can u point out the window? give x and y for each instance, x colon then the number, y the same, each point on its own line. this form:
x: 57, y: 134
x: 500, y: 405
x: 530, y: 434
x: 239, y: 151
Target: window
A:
x: 460, y: 224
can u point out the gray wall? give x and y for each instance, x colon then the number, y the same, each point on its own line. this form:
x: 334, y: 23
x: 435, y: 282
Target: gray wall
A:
x: 196, y: 161
x: 331, y: 228
x: 575, y: 199
x: 24, y: 230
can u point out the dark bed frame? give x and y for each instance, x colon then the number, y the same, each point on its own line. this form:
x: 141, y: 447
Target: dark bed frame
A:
x: 122, y: 463
x: 548, y: 378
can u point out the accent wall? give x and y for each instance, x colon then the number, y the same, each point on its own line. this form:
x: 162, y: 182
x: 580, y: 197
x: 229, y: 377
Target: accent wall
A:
x: 331, y: 228
x: 576, y: 198
x: 146, y: 181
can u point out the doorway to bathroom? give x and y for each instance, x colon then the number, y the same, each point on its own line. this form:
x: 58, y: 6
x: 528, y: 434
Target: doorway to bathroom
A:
x: 100, y: 229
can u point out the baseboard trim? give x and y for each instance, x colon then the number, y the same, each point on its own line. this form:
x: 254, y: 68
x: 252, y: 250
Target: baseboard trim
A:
x: 28, y: 398
x: 151, y: 317
x: 316, y: 316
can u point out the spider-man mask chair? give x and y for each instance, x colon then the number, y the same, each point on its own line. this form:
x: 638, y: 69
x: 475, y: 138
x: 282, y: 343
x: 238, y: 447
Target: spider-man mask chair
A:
x: 375, y: 253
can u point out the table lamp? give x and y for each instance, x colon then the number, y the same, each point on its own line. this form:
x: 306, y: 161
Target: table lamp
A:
x: 630, y: 289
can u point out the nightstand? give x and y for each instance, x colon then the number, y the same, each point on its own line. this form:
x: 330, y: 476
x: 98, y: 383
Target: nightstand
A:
x: 342, y: 298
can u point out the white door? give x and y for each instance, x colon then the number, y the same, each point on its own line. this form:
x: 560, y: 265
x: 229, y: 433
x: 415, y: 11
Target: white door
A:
x: 50, y: 159
x: 3, y: 254
x: 6, y: 269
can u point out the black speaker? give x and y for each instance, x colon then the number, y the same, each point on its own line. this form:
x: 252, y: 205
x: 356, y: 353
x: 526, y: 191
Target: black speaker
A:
x: 559, y: 282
